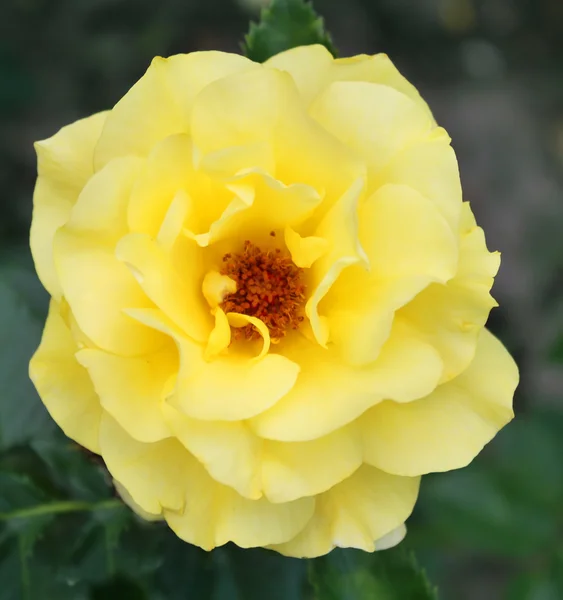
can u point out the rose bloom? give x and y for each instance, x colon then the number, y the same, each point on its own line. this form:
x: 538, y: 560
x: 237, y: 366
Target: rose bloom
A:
x: 268, y: 299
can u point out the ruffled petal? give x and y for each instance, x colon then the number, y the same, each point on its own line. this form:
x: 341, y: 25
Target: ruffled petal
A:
x: 261, y: 205
x: 229, y: 451
x: 409, y: 245
x: 368, y: 506
x: 64, y: 165
x: 156, y: 475
x: 177, y: 293
x: 265, y: 107
x: 309, y: 67
x: 132, y: 390
x: 64, y: 385
x: 429, y: 166
x: 96, y: 285
x: 340, y: 228
x: 377, y: 68
x: 229, y: 388
x: 374, y: 120
x: 451, y: 316
x: 297, y: 469
x: 160, y: 103
x: 329, y: 393
x: 214, y: 515
x: 449, y: 427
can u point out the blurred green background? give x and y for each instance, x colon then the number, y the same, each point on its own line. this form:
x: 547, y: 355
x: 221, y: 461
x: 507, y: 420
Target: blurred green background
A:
x: 492, y: 71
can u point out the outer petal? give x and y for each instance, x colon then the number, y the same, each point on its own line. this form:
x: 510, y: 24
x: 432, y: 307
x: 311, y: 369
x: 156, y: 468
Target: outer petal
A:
x: 132, y: 390
x: 379, y: 69
x: 313, y: 69
x: 364, y: 508
x: 229, y: 450
x: 97, y: 286
x: 451, y: 316
x: 155, y: 475
x: 64, y: 385
x: 374, y: 120
x: 165, y: 477
x: 64, y: 165
x: 430, y: 167
x: 297, y: 469
x: 309, y: 66
x: 159, y: 104
x: 329, y: 394
x: 448, y: 428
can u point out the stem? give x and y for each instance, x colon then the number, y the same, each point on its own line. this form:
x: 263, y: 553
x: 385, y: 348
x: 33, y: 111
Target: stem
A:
x: 60, y: 507
x: 24, y: 568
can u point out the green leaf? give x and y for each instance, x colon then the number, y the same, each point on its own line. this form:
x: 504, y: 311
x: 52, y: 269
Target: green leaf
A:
x: 355, y: 575
x: 22, y: 415
x: 283, y: 25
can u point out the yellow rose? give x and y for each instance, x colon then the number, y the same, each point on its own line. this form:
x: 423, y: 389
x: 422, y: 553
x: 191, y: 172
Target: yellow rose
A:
x: 268, y: 299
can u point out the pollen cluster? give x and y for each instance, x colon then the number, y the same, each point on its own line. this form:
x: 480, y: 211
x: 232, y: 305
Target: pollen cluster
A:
x: 269, y: 287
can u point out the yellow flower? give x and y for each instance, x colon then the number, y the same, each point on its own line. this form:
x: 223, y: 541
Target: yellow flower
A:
x: 268, y: 299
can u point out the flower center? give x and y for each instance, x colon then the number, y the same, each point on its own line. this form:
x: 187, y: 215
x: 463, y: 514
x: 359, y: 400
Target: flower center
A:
x: 269, y: 287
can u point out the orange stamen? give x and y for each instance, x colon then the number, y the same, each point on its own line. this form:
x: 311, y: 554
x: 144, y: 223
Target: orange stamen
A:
x: 269, y: 287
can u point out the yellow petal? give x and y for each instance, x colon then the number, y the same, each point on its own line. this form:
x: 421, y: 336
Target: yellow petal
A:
x: 449, y: 427
x: 215, y: 514
x: 297, y: 469
x: 340, y: 228
x: 64, y: 385
x: 176, y: 293
x: 361, y: 310
x: 430, y: 167
x: 160, y: 103
x: 229, y: 388
x: 451, y: 316
x: 169, y: 176
x: 261, y: 204
x: 219, y: 338
x: 309, y: 66
x: 409, y: 245
x: 98, y: 287
x: 146, y: 114
x: 229, y: 451
x: 379, y: 69
x: 356, y: 513
x: 374, y: 120
x: 188, y: 74
x: 404, y: 235
x: 265, y: 107
x: 132, y: 390
x: 156, y: 475
x: 304, y: 250
x: 216, y: 286
x: 165, y: 477
x: 64, y: 165
x: 329, y: 394
x: 128, y: 499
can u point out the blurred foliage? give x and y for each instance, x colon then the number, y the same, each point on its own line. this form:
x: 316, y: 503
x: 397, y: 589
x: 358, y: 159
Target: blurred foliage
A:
x: 491, y: 70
